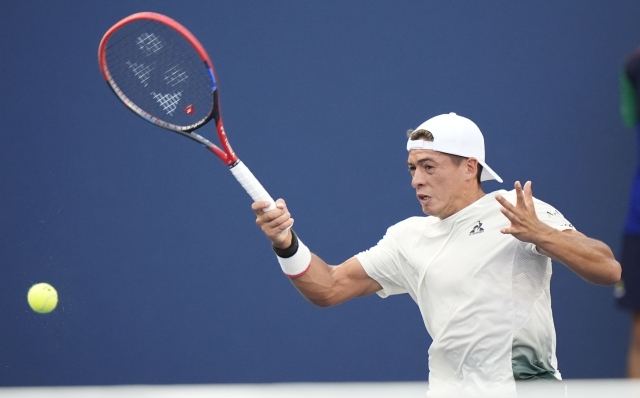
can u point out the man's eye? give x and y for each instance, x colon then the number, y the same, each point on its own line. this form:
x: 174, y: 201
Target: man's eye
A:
x: 428, y: 167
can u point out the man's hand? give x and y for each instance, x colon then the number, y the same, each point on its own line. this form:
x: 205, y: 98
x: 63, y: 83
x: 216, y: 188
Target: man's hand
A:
x: 525, y: 225
x: 591, y: 259
x: 275, y: 223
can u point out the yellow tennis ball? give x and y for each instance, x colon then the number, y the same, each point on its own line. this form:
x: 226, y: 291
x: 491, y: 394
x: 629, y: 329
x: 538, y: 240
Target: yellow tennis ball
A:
x: 42, y: 298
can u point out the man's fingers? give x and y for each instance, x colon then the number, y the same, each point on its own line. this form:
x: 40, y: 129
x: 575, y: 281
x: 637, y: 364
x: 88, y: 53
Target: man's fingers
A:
x: 274, y: 221
x: 520, y: 201
x: 285, y: 225
x: 276, y: 233
x: 511, y: 216
x: 277, y: 221
x: 507, y: 231
x: 528, y: 194
x: 258, y: 205
x: 522, y: 215
x: 505, y: 203
x: 269, y: 216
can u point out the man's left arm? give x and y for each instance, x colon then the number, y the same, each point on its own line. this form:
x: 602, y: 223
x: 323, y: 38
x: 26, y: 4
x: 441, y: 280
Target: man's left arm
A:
x: 591, y: 259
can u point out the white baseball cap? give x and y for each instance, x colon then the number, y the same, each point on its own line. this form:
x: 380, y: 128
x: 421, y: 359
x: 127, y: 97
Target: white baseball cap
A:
x: 455, y: 135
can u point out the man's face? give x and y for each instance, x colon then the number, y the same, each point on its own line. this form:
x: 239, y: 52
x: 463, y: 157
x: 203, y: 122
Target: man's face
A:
x: 438, y: 181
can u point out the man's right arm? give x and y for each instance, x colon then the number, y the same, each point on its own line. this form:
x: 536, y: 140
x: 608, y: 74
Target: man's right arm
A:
x: 322, y: 284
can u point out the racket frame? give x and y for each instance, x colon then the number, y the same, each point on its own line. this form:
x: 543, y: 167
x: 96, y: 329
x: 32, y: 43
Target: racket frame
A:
x: 226, y: 154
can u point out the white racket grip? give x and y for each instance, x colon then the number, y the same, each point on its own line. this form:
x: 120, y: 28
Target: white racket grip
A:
x: 251, y: 184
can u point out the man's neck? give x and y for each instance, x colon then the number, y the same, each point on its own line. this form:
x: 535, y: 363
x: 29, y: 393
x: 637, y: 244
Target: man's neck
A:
x: 463, y: 201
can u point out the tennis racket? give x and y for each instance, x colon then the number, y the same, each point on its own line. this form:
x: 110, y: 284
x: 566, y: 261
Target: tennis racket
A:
x: 161, y: 72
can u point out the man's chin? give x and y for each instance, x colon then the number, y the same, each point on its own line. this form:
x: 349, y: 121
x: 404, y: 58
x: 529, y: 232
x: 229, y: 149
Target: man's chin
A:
x: 428, y: 210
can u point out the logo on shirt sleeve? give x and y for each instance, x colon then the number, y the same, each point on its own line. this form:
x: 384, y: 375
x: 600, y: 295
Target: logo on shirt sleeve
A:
x: 555, y: 213
x: 477, y: 229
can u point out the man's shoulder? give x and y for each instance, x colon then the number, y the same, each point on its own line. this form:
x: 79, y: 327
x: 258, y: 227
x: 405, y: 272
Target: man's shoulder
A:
x: 512, y: 198
x: 411, y: 223
x: 546, y: 212
x: 508, y: 195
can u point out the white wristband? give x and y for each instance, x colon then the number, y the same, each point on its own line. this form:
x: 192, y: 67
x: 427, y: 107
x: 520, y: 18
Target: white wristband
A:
x: 298, y: 264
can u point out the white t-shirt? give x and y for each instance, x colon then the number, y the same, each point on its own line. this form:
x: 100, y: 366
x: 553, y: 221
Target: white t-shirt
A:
x: 484, y: 296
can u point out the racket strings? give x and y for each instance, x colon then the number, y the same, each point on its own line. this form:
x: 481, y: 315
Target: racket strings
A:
x: 176, y: 72
x: 160, y: 72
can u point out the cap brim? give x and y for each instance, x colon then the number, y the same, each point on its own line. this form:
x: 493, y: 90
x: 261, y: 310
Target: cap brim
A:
x: 488, y: 173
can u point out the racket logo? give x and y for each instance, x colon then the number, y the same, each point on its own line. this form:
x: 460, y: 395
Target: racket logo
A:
x: 168, y: 102
x: 149, y: 43
x: 189, y: 110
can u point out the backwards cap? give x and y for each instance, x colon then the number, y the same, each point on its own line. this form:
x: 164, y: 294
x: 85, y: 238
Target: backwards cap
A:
x: 455, y: 135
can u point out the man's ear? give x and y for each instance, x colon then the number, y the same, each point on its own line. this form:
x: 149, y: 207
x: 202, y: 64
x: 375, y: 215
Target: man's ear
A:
x: 471, y: 168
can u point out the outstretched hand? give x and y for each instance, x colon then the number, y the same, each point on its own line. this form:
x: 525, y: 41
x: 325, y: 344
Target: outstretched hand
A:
x: 525, y: 224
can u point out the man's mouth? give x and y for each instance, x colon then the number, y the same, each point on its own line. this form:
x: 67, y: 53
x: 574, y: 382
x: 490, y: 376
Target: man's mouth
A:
x: 423, y: 198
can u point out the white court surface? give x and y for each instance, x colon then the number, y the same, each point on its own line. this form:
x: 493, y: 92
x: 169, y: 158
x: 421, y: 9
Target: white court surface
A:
x: 571, y: 388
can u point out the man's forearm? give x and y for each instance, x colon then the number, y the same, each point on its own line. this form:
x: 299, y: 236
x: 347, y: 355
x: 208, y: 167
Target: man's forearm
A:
x: 587, y: 257
x: 308, y: 272
x: 316, y: 284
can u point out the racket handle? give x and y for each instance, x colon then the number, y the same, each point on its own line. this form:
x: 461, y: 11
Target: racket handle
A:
x: 251, y: 184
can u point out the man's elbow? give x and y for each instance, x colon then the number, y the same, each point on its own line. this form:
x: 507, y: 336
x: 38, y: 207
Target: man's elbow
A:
x: 612, y: 274
x: 616, y: 273
x: 324, y: 301
x: 324, y: 297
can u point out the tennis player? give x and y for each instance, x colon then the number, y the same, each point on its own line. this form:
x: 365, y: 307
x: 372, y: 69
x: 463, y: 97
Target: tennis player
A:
x: 479, y: 266
x: 627, y: 290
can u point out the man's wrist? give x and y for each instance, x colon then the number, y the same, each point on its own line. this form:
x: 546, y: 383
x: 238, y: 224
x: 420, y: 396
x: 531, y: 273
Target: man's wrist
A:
x: 544, y: 237
x: 287, y: 250
x: 295, y: 260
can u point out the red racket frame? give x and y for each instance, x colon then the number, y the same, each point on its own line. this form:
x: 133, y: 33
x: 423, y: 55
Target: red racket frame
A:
x: 227, y: 155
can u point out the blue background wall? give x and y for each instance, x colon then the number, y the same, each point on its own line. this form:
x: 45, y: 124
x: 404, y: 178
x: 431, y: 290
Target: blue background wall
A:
x: 163, y: 276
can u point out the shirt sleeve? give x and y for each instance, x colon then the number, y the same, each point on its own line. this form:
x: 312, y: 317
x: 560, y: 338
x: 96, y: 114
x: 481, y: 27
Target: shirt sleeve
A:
x: 552, y: 217
x: 546, y: 213
x: 383, y: 263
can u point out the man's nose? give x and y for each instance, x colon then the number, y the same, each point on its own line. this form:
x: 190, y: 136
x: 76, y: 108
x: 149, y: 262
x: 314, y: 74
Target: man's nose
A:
x: 418, y: 179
